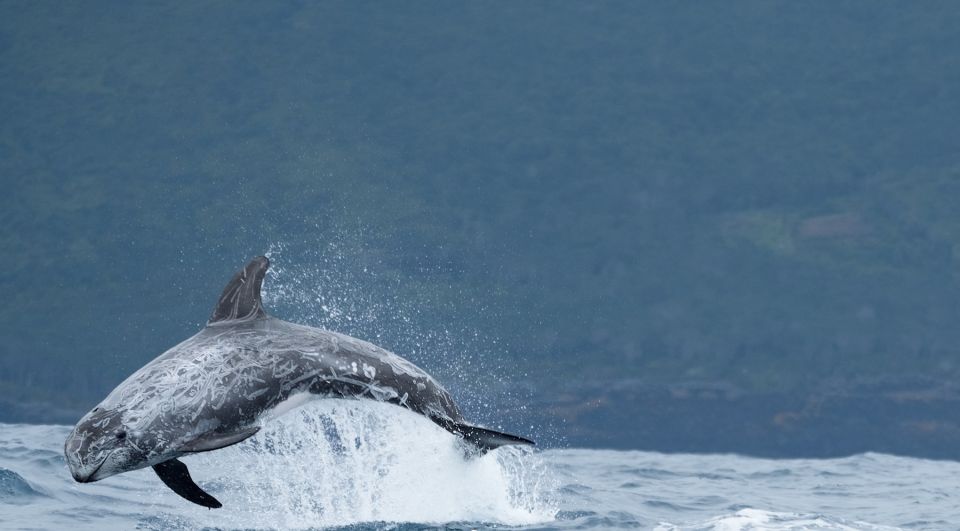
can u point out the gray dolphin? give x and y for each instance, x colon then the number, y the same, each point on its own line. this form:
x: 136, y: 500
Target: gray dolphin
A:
x: 218, y: 387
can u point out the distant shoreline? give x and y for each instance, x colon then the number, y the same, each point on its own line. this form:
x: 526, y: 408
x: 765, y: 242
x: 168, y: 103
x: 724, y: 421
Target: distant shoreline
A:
x: 917, y: 419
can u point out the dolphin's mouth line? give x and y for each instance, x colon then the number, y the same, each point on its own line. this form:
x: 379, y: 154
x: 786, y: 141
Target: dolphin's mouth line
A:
x: 89, y: 478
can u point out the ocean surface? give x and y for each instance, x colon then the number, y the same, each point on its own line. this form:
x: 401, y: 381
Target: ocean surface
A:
x: 360, y: 465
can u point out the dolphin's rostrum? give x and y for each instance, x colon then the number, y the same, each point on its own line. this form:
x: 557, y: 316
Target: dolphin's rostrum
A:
x: 216, y: 388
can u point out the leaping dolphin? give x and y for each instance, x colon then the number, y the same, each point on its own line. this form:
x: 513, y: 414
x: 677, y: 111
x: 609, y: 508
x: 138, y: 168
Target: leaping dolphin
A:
x: 217, y: 388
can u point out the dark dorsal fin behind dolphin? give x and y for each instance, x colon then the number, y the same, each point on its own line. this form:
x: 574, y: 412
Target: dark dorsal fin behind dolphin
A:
x: 241, y: 298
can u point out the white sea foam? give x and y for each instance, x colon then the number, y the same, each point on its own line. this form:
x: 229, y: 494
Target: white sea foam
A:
x: 760, y: 520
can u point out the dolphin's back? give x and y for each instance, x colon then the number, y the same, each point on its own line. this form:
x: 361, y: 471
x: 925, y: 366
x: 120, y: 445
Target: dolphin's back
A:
x: 260, y: 364
x: 326, y: 363
x: 229, y: 376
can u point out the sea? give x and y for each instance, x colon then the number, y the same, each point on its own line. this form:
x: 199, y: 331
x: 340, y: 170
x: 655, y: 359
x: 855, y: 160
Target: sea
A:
x: 347, y: 464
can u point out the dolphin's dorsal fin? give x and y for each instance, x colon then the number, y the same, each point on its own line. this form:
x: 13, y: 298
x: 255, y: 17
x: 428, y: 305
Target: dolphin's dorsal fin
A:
x: 241, y: 298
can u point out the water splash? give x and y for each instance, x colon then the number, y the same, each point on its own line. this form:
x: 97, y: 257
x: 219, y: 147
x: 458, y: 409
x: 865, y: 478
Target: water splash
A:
x: 342, y: 462
x: 346, y: 286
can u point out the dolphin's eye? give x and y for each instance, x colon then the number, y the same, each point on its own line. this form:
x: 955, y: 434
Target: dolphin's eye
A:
x: 121, y: 435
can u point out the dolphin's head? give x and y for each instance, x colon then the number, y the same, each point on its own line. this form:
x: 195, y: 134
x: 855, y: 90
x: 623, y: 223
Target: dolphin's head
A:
x: 100, y: 446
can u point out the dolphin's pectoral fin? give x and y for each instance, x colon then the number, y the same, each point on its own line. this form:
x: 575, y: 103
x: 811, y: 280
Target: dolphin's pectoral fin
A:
x: 216, y: 441
x: 175, y: 475
x: 481, y: 438
x: 240, y: 299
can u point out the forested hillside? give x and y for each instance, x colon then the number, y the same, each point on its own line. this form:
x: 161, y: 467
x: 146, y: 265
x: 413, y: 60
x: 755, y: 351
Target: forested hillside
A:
x: 761, y: 196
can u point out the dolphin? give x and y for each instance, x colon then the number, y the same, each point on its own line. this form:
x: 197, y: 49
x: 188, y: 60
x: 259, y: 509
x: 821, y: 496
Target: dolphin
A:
x: 243, y: 368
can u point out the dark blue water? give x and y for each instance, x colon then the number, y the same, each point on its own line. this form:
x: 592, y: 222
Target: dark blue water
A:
x: 389, y: 469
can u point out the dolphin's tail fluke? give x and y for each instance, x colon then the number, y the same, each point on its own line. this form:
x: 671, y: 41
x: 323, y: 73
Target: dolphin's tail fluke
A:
x: 486, y: 440
x: 482, y: 438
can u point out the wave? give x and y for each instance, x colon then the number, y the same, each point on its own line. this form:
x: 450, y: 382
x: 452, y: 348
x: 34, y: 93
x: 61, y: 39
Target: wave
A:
x: 15, y: 489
